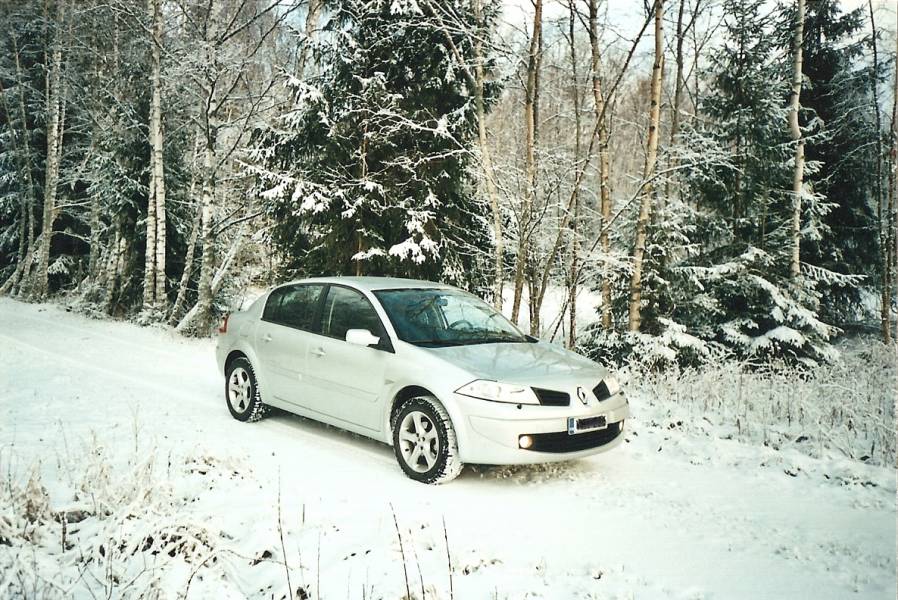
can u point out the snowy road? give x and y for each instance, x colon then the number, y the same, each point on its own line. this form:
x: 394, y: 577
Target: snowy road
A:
x: 663, y: 516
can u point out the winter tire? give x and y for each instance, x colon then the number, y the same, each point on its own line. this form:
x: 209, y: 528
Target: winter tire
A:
x: 242, y: 392
x: 424, y: 441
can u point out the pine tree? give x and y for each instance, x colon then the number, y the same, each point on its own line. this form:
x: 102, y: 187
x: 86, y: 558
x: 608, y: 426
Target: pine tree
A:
x: 369, y: 172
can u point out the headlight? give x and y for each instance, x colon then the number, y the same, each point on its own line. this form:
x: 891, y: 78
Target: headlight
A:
x: 498, y: 392
x: 607, y: 388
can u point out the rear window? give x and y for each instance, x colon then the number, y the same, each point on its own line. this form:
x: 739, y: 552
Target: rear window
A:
x: 294, y: 306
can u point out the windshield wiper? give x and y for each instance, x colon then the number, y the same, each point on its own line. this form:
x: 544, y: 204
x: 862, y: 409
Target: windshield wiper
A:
x: 438, y: 342
x: 494, y: 341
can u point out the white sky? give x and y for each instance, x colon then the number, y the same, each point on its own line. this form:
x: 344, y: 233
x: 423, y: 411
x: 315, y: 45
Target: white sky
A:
x: 627, y: 15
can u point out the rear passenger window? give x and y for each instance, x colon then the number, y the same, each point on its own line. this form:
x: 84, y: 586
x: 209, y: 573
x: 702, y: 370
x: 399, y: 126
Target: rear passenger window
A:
x: 294, y: 306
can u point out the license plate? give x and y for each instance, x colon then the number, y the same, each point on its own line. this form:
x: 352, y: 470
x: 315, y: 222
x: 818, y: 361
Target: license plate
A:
x: 581, y: 424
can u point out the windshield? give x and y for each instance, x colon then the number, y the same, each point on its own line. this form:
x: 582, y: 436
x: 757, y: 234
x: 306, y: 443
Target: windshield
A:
x: 445, y: 317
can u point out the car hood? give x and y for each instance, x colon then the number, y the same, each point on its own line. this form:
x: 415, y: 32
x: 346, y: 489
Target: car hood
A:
x: 520, y: 363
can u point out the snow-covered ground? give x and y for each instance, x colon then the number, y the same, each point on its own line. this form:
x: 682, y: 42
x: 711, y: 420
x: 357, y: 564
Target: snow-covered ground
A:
x: 122, y: 434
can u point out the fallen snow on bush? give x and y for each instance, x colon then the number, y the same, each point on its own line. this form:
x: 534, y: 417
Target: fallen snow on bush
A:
x: 123, y: 475
x: 844, y: 409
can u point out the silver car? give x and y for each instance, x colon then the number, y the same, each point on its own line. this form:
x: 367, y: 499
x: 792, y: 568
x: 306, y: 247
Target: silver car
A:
x: 427, y: 368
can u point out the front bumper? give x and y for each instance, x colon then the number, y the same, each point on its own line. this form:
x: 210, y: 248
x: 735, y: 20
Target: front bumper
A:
x: 494, y: 430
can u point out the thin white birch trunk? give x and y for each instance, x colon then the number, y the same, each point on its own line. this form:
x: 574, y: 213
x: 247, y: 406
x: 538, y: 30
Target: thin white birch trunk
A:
x: 154, y: 258
x: 604, y: 161
x: 486, y: 161
x: 795, y: 132
x: 530, y: 102
x: 158, y: 161
x: 55, y: 103
x: 645, y: 208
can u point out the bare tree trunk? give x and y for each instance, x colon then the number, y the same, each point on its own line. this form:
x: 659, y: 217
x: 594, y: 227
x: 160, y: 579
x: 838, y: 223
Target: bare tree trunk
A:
x: 575, y: 239
x: 645, y: 208
x: 93, y: 262
x: 678, y: 89
x: 530, y: 124
x: 207, y: 263
x: 486, y: 161
x: 113, y: 266
x: 149, y: 274
x: 885, y: 249
x: 178, y: 306
x: 890, y: 250
x: 154, y: 261
x: 159, y: 166
x: 311, y: 27
x: 215, y: 283
x: 604, y: 162
x: 188, y: 265
x: 795, y: 131
x: 55, y: 96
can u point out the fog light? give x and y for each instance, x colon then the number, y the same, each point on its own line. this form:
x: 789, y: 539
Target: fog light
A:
x: 525, y: 441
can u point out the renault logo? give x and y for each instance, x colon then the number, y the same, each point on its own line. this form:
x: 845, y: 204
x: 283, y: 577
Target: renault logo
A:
x: 581, y: 393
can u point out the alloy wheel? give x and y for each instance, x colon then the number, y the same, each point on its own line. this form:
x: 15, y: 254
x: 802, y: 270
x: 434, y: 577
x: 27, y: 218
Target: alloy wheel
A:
x: 419, y: 441
x: 240, y: 389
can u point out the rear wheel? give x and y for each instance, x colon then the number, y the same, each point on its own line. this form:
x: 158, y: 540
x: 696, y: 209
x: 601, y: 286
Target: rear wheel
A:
x: 242, y: 392
x: 424, y: 441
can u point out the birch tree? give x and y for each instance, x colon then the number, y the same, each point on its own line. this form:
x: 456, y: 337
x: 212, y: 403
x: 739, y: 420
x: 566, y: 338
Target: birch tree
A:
x: 795, y: 132
x: 645, y: 205
x: 154, y: 297
x: 604, y: 162
x: 531, y: 107
x: 56, y: 98
x: 887, y: 214
x: 231, y: 89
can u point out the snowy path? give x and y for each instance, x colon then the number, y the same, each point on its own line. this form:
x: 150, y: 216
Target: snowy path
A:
x: 663, y: 516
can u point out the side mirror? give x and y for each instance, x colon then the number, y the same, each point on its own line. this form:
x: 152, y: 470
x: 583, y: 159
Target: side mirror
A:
x: 361, y: 337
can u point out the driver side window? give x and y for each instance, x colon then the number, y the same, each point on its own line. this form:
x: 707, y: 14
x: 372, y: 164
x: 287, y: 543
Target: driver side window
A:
x: 346, y: 309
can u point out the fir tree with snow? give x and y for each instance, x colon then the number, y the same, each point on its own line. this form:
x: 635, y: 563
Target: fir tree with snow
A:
x: 368, y: 173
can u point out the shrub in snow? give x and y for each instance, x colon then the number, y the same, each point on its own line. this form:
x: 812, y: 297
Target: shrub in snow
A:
x: 844, y: 409
x: 112, y: 528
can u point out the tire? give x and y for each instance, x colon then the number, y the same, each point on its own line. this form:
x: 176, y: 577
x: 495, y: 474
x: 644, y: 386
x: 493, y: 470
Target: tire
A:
x: 424, y: 441
x: 242, y: 392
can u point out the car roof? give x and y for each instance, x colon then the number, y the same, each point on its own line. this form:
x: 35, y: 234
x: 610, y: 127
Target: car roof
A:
x: 371, y: 283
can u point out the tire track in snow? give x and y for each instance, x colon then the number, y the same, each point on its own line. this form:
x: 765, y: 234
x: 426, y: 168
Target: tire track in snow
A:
x: 92, y: 334
x: 283, y: 429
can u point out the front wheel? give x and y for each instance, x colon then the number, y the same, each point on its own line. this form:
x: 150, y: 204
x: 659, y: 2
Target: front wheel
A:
x: 242, y: 392
x: 424, y: 441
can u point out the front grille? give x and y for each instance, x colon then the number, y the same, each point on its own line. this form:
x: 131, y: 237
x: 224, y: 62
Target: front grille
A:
x: 552, y: 398
x: 561, y: 441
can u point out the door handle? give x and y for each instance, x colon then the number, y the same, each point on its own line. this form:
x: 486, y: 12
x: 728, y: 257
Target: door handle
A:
x: 319, y: 352
x: 266, y: 337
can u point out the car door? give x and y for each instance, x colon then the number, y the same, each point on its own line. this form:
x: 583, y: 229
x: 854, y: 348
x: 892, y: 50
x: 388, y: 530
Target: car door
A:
x: 347, y: 380
x: 283, y: 338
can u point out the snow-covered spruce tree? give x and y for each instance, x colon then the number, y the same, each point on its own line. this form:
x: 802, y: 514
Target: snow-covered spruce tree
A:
x: 838, y: 100
x: 369, y: 173
x: 21, y: 137
x: 749, y: 302
x: 718, y: 263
